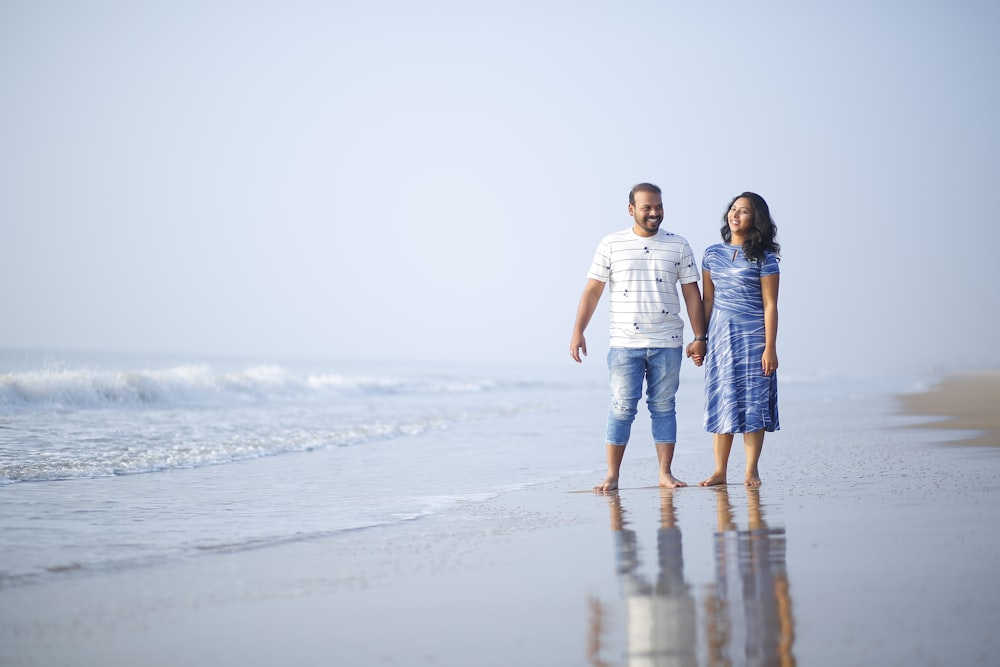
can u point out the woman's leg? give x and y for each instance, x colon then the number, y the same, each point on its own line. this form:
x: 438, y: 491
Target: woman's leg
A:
x: 754, y: 445
x: 723, y: 444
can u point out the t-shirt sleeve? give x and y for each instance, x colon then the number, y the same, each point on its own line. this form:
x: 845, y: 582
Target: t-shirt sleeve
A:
x: 600, y: 268
x: 688, y: 272
x: 770, y: 266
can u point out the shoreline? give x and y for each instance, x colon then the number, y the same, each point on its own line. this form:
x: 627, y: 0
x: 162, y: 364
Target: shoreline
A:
x: 964, y: 402
x: 694, y: 575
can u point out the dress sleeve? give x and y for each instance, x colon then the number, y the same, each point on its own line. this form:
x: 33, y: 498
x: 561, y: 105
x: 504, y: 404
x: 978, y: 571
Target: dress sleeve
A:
x: 770, y: 266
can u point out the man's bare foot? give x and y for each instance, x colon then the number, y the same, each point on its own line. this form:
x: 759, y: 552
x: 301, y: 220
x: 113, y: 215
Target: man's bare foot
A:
x: 715, y: 480
x: 609, y: 484
x: 668, y: 481
x: 752, y: 481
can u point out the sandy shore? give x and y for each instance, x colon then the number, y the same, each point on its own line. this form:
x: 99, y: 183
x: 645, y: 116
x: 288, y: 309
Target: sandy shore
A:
x: 868, y: 544
x: 969, y: 402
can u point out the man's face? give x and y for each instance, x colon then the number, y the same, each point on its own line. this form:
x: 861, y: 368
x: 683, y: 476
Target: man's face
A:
x: 647, y: 213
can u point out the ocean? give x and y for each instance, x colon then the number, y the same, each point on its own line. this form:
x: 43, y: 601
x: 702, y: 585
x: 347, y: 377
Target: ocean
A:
x: 187, y: 510
x: 117, y: 461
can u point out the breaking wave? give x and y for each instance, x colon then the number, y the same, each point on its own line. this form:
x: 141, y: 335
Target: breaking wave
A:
x: 200, y: 385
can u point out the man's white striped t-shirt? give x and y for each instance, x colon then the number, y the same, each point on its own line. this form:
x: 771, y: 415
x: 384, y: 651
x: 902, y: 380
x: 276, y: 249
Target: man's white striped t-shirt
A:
x: 642, y: 275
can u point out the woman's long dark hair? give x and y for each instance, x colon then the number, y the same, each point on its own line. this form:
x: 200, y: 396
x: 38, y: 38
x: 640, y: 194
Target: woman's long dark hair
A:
x: 762, y: 237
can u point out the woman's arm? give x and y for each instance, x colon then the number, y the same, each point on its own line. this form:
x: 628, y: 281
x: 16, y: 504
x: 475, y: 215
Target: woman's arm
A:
x: 769, y: 294
x: 708, y: 298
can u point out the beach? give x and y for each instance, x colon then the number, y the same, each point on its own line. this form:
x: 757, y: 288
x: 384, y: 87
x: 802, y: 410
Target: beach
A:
x: 965, y: 403
x: 871, y: 541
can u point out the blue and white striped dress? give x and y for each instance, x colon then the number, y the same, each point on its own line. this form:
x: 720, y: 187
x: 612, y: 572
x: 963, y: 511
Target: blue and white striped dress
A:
x: 739, y: 398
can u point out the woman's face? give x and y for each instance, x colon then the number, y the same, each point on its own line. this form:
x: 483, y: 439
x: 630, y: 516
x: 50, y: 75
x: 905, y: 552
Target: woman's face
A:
x: 740, y: 217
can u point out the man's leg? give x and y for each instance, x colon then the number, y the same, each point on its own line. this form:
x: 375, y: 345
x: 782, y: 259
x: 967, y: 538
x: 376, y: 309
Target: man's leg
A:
x: 615, y: 455
x: 664, y: 456
x: 626, y: 369
x: 662, y: 380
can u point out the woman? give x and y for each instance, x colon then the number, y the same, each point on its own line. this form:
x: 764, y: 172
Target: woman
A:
x: 741, y: 307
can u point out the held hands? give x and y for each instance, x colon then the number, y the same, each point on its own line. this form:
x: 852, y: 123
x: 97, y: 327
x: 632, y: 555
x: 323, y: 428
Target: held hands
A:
x: 768, y: 361
x: 696, y: 352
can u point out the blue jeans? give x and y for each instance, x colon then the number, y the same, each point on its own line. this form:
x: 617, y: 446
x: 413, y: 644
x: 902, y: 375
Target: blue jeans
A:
x: 660, y: 367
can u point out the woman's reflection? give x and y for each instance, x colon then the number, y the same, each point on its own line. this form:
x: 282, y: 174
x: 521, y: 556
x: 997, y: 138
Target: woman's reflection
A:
x: 748, y: 617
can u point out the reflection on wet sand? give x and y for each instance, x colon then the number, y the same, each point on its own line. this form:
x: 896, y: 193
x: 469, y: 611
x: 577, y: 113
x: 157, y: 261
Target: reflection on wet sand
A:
x: 746, y: 610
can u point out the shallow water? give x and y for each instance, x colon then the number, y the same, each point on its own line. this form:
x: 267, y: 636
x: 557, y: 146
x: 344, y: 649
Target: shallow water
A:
x: 98, y: 474
x: 860, y: 520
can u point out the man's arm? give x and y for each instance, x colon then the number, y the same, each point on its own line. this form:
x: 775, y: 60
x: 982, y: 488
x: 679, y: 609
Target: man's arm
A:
x: 696, y: 316
x: 592, y: 292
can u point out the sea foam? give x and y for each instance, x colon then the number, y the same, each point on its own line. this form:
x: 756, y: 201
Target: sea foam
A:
x: 200, y: 385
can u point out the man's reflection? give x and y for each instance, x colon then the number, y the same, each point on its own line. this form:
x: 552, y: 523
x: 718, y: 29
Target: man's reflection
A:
x: 747, y: 612
x: 661, y: 617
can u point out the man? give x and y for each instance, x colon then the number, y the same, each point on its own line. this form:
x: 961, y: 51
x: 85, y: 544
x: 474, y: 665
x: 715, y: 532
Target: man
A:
x: 641, y: 266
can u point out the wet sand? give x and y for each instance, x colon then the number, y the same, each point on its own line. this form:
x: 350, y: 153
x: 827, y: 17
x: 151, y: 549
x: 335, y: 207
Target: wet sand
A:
x: 869, y: 544
x: 969, y: 402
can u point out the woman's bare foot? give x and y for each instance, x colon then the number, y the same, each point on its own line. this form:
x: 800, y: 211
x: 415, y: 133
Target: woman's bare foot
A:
x: 714, y: 480
x: 670, y: 482
x: 752, y: 481
x: 609, y: 484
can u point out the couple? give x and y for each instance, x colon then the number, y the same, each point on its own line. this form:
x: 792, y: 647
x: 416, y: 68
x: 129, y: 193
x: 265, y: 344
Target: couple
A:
x: 641, y: 267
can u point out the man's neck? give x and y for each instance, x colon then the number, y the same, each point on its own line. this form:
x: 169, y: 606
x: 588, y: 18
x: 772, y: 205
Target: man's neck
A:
x: 641, y: 231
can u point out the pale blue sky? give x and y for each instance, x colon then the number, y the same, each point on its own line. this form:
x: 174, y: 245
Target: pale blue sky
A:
x: 429, y: 180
